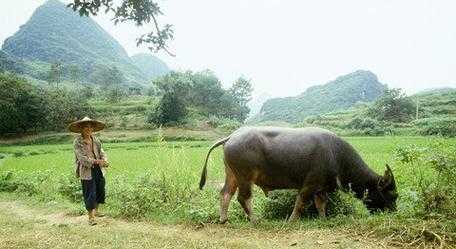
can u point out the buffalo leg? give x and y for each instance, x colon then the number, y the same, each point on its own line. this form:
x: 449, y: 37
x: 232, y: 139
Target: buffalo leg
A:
x: 226, y: 193
x: 321, y: 200
x: 245, y: 199
x: 304, y: 196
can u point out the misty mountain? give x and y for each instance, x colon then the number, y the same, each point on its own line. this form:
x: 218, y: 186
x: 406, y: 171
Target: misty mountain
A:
x: 256, y: 103
x: 150, y: 65
x: 341, y: 93
x: 56, y: 34
x: 436, y: 90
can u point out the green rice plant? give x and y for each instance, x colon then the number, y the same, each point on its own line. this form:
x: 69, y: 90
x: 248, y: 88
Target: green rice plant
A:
x: 69, y: 186
x: 9, y: 182
x: 19, y: 154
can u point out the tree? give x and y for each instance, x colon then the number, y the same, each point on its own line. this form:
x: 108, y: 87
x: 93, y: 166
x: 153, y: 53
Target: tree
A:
x: 55, y: 73
x: 62, y: 107
x: 75, y: 73
x: 115, y: 94
x: 170, y: 110
x: 174, y: 90
x: 22, y: 108
x: 392, y: 106
x: 107, y: 76
x: 241, y: 94
x: 206, y: 92
x: 141, y: 12
x: 242, y: 90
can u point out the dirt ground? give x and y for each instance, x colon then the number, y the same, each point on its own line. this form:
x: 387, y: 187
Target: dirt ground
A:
x: 23, y: 226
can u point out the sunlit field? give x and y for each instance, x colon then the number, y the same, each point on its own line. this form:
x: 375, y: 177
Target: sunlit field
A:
x: 158, y: 181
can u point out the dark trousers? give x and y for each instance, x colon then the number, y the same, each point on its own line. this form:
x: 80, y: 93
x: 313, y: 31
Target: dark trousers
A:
x: 94, y: 190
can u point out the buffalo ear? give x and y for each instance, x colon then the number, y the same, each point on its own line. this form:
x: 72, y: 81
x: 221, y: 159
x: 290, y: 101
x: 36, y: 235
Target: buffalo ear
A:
x: 387, y: 179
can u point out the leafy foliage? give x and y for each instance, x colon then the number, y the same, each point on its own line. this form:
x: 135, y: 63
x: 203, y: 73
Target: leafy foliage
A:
x: 62, y: 107
x: 10, y: 63
x: 201, y: 91
x: 436, y: 110
x: 55, y: 73
x: 392, y: 106
x: 140, y: 12
x: 21, y: 106
x: 25, y: 107
x: 445, y: 126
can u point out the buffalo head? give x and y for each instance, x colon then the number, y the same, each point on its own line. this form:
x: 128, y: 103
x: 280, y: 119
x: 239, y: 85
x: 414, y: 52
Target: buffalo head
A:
x: 383, y: 196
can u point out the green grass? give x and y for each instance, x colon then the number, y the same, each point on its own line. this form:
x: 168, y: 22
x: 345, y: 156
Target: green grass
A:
x: 158, y: 181
x: 179, y: 160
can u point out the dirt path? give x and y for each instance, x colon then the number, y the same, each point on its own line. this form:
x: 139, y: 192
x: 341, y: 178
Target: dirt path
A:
x: 22, y: 226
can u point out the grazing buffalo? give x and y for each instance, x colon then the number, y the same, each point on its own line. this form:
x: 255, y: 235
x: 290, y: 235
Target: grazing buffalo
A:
x: 312, y: 160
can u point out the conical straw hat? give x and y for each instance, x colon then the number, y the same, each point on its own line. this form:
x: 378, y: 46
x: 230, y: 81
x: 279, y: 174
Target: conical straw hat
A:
x: 78, y: 125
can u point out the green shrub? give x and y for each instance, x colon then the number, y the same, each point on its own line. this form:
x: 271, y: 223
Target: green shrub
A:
x: 368, y: 126
x: 408, y: 154
x: 229, y: 125
x: 69, y: 186
x: 10, y: 183
x: 19, y: 154
x: 435, y: 170
x: 6, y: 182
x: 440, y: 194
x: 147, y: 195
x: 280, y: 205
x: 362, y: 123
x: 437, y: 126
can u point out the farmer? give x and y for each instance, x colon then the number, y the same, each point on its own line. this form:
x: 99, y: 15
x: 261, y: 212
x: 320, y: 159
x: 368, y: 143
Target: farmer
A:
x: 90, y: 164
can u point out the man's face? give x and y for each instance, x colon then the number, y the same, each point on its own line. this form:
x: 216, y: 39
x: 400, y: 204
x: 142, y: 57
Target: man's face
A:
x: 87, y: 130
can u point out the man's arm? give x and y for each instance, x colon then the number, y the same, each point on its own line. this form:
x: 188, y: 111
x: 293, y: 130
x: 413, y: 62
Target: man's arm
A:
x: 81, y: 155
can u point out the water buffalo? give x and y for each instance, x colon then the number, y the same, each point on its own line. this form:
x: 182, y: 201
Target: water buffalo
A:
x: 312, y: 160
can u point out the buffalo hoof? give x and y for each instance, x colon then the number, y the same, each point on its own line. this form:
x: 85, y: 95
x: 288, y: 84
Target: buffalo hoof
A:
x: 254, y: 220
x: 293, y: 219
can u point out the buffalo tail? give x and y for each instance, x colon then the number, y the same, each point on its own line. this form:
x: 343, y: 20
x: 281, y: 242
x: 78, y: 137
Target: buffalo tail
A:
x: 204, y: 173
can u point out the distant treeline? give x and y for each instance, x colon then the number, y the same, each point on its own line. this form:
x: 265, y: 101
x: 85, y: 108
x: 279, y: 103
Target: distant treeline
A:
x: 185, y: 95
x: 178, y: 98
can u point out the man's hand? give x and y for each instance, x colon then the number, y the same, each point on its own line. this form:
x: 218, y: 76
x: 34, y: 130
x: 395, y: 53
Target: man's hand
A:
x: 101, y: 163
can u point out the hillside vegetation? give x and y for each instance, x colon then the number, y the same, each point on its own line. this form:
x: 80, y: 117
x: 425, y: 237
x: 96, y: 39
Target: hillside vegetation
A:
x: 342, y: 93
x: 436, y: 116
x: 57, y: 35
x: 151, y: 66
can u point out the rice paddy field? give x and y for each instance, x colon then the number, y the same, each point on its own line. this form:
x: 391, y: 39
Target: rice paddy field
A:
x: 157, y: 181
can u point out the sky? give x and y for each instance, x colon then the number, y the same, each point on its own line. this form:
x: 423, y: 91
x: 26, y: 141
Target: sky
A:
x: 285, y: 46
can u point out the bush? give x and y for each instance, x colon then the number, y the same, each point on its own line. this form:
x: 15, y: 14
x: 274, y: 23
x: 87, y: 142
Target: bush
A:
x: 408, y: 154
x: 22, y: 107
x: 10, y: 183
x: 437, y: 126
x: 280, y: 205
x: 170, y: 110
x: 147, y: 196
x: 223, y: 123
x: 393, y: 106
x: 435, y: 168
x: 368, y: 126
x: 6, y: 182
x: 69, y: 186
x: 362, y: 123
